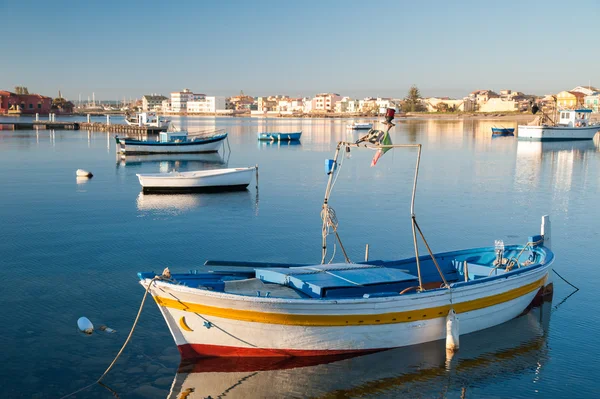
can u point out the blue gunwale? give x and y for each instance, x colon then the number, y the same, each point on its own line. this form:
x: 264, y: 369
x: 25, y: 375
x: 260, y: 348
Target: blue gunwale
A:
x: 236, y: 270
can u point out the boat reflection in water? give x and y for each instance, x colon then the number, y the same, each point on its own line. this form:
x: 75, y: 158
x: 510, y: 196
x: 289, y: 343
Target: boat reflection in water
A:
x: 514, y: 349
x: 169, y: 162
x: 262, y: 144
x: 177, y: 203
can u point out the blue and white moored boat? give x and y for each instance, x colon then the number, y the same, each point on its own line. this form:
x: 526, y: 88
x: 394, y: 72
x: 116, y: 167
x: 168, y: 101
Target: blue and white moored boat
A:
x: 503, y: 131
x: 173, y: 142
x: 573, y: 124
x: 266, y: 309
x: 278, y: 136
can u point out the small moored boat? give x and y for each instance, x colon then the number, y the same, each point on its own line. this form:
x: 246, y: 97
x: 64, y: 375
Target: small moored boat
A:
x: 173, y: 142
x: 272, y: 309
x: 503, y: 131
x: 360, y: 126
x: 230, y: 179
x: 147, y: 119
x: 279, y: 136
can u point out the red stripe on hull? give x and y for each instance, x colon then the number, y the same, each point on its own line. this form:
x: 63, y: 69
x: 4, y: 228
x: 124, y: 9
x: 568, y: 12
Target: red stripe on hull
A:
x: 190, y: 351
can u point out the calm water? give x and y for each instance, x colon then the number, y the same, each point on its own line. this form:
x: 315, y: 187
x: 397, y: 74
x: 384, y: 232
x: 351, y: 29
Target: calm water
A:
x: 72, y: 248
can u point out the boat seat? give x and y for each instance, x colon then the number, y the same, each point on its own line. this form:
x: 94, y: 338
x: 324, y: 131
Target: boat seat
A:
x: 475, y: 271
x: 257, y: 287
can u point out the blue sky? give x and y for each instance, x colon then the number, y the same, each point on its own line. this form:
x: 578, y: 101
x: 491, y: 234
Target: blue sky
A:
x: 356, y: 48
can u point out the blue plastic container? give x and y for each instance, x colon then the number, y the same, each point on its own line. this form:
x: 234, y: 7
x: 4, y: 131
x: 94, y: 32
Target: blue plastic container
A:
x: 329, y: 166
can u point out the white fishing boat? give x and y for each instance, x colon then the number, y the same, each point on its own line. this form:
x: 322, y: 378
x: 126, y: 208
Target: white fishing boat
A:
x: 200, y: 180
x: 174, y: 142
x: 360, y: 126
x: 147, y: 119
x: 265, y: 309
x: 572, y: 125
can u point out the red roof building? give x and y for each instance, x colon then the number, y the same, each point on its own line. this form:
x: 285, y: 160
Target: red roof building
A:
x: 11, y: 103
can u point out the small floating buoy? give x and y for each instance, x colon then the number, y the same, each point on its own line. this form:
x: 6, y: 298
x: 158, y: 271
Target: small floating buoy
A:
x: 452, y: 331
x: 83, y: 173
x: 85, y: 325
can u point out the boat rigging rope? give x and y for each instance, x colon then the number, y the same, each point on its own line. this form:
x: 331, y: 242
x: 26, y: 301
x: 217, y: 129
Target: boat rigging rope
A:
x: 166, y: 275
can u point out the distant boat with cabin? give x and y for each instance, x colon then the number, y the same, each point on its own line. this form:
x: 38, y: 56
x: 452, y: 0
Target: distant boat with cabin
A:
x: 147, y: 119
x: 574, y: 124
x: 174, y: 142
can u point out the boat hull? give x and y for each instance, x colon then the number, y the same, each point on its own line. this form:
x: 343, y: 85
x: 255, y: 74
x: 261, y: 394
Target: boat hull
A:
x: 206, y: 180
x: 128, y: 146
x: 280, y: 136
x: 556, y: 133
x: 503, y: 131
x: 361, y: 126
x: 205, y: 323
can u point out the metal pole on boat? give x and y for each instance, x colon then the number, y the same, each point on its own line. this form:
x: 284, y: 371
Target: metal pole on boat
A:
x: 326, y: 200
x: 367, y: 253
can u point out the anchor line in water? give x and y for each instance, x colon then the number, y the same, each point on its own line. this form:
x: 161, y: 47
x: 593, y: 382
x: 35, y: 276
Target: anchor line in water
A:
x: 568, y: 296
x: 98, y: 381
x: 565, y: 280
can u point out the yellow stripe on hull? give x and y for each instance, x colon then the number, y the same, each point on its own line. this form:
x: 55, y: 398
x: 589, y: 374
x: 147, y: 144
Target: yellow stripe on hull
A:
x: 350, y: 320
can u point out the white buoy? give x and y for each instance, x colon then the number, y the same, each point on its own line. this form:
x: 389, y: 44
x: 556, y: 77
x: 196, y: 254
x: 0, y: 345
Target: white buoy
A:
x: 452, y: 331
x: 85, y: 325
x: 83, y: 173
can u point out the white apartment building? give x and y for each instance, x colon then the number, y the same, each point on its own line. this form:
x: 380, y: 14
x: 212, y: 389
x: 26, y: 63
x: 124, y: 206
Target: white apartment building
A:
x: 206, y: 104
x: 290, y: 105
x: 152, y: 102
x: 347, y: 105
x: 179, y: 99
x: 308, y: 104
x: 326, y: 101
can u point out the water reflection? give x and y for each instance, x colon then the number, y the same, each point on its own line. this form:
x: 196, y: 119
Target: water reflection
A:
x: 171, y: 162
x: 178, y: 203
x: 536, y: 158
x: 291, y: 144
x: 514, y: 349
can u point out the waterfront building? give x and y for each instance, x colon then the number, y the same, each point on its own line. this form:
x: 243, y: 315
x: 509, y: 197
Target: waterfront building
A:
x: 569, y: 99
x: 308, y: 104
x: 587, y: 90
x: 267, y: 104
x: 347, y: 105
x: 179, y: 99
x: 326, y: 101
x: 12, y: 103
x: 152, y: 102
x: 290, y: 105
x: 499, y: 105
x: 206, y: 105
x: 591, y: 102
x: 240, y: 102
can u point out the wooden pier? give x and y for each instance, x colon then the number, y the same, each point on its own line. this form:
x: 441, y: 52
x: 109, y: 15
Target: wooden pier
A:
x: 120, y: 128
x: 94, y: 126
x: 39, y: 125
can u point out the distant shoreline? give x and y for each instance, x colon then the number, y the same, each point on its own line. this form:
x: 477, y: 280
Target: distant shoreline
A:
x: 400, y: 116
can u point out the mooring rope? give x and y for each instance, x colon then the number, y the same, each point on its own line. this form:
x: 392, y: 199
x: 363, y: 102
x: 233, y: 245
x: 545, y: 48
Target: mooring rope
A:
x: 165, y: 276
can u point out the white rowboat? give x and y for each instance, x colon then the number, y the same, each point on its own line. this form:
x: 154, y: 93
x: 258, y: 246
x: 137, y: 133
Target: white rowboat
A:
x: 360, y: 126
x: 201, y: 180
